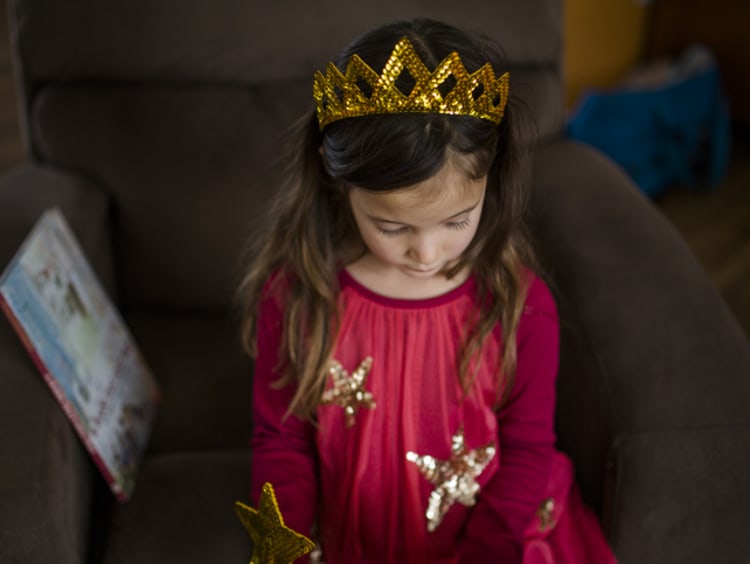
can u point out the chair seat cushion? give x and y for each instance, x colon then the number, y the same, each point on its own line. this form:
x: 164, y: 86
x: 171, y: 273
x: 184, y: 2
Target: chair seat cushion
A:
x: 182, y: 511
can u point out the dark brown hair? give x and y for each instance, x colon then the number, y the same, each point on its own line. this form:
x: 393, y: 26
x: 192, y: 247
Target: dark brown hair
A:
x: 314, y: 235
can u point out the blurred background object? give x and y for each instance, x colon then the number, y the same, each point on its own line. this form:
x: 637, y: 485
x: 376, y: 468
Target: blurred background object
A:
x: 666, y: 123
x: 722, y: 26
x: 606, y: 41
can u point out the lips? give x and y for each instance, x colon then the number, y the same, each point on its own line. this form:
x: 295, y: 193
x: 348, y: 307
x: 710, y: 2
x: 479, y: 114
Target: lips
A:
x: 424, y: 271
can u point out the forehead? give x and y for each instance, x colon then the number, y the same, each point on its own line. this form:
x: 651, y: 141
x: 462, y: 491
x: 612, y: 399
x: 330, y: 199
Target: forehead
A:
x: 451, y: 190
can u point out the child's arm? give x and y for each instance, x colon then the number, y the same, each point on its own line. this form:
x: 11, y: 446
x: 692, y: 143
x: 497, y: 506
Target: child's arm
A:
x: 283, y: 447
x: 526, y: 440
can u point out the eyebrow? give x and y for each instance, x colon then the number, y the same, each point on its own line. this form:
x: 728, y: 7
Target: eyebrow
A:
x: 455, y: 215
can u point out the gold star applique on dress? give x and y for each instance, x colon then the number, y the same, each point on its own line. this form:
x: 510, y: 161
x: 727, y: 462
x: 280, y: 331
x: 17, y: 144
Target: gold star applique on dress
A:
x: 545, y: 514
x: 274, y: 542
x: 454, y: 479
x: 349, y: 391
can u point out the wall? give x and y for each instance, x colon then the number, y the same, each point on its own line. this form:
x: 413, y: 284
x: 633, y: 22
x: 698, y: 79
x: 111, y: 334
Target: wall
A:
x: 603, y: 40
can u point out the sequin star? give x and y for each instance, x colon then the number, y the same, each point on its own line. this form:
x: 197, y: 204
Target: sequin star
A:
x: 545, y: 514
x: 454, y: 479
x: 349, y: 391
x: 274, y: 542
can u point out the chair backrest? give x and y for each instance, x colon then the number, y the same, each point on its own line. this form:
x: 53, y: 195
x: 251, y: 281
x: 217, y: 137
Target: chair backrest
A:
x: 176, y: 108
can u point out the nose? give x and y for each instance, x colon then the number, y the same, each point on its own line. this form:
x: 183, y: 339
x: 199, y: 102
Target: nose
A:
x: 424, y: 249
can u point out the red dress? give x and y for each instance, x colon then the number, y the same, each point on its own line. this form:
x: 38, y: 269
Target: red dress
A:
x: 403, y: 466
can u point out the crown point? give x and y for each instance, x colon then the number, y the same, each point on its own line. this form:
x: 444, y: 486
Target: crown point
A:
x: 449, y: 89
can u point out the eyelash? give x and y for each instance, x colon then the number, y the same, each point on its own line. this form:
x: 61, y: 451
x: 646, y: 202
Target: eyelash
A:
x: 457, y: 225
x: 392, y: 232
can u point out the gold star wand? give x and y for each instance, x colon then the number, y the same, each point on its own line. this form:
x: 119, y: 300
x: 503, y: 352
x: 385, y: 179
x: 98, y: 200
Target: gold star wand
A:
x: 275, y: 543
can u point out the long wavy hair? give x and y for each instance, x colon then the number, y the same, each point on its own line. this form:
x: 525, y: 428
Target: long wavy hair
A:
x: 314, y: 234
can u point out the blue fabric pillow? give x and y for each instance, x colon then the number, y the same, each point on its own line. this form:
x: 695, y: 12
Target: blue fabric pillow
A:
x: 672, y: 132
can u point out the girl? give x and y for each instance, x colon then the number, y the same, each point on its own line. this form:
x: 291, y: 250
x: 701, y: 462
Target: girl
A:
x: 405, y: 351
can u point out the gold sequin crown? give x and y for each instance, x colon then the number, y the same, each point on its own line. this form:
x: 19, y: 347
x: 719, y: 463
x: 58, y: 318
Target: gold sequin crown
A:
x: 479, y: 94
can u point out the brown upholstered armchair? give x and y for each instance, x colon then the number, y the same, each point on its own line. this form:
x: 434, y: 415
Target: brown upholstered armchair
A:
x: 154, y: 125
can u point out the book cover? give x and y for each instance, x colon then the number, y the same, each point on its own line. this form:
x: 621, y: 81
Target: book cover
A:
x: 83, y: 349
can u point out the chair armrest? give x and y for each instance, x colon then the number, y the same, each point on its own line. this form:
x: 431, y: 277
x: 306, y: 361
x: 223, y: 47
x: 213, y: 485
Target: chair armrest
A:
x: 27, y: 190
x: 681, y: 495
x: 655, y: 370
x: 47, y: 480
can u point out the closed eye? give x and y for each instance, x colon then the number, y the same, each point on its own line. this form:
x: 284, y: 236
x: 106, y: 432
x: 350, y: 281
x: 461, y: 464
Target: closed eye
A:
x: 392, y: 232
x: 463, y: 224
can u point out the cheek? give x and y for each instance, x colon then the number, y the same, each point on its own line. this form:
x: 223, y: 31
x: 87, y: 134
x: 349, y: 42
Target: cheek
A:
x: 463, y: 241
x: 380, y: 247
x: 372, y: 239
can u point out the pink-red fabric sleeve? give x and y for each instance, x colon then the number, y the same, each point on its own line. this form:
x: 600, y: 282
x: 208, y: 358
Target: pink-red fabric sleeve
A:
x: 526, y: 440
x: 282, y: 446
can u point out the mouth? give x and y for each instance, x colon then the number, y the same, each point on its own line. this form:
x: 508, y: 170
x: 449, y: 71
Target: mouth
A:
x: 422, y: 271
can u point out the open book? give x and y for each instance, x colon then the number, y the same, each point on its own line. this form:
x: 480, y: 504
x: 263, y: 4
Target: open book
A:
x: 83, y: 349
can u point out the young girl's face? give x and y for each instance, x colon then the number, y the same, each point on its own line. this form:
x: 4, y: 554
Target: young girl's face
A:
x: 421, y: 230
